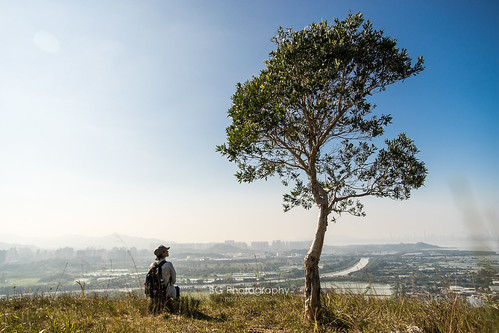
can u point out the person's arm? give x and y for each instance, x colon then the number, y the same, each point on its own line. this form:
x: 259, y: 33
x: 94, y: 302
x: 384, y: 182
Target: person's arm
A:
x: 173, y: 274
x: 169, y: 273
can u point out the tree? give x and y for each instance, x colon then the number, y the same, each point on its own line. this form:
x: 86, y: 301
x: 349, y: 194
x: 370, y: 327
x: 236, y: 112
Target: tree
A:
x: 306, y: 119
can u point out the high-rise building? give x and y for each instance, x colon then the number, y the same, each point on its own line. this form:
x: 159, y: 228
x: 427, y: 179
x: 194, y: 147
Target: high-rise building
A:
x: 260, y: 246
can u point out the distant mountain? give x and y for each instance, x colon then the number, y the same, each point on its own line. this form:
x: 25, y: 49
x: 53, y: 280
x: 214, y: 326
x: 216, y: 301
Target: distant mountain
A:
x: 83, y: 242
x: 400, y: 247
x: 6, y: 246
x: 422, y: 245
x: 224, y: 248
x: 118, y: 240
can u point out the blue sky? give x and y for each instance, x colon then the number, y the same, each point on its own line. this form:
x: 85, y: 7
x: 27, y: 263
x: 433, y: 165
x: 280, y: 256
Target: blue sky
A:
x: 110, y: 112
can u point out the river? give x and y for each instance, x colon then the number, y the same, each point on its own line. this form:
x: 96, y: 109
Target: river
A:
x: 377, y: 289
x: 357, y: 267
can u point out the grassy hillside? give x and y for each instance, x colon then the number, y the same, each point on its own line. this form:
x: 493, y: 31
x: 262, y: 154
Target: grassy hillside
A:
x: 250, y: 313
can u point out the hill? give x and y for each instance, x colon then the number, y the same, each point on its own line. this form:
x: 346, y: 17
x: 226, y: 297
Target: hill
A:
x: 81, y: 242
x: 243, y: 313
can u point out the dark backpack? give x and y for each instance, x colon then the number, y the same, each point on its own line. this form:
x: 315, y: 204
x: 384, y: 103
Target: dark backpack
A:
x: 154, y: 286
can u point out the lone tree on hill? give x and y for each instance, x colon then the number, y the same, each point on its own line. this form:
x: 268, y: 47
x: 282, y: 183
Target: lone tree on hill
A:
x: 306, y: 118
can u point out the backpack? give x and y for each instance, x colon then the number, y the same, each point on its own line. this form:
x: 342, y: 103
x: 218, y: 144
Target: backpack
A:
x: 154, y: 286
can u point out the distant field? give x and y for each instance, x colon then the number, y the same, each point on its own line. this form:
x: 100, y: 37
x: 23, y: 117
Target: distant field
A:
x: 22, y: 282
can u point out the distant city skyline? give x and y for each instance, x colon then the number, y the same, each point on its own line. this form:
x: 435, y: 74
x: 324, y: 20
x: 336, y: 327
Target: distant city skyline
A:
x: 110, y: 113
x: 486, y: 242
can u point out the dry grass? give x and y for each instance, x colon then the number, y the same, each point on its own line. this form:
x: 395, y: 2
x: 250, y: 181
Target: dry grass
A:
x: 356, y: 313
x: 230, y: 313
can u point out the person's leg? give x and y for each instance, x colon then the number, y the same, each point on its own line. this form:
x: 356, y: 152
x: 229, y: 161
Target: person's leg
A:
x: 155, y: 305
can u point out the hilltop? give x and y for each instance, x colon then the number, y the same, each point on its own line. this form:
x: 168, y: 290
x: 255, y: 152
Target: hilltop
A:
x: 243, y: 313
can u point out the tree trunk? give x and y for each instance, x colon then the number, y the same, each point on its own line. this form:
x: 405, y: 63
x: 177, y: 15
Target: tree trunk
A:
x: 312, y: 281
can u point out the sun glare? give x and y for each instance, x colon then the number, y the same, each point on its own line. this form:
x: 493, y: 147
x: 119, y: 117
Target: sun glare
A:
x: 46, y: 42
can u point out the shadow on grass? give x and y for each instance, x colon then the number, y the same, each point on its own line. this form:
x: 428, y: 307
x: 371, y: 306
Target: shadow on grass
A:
x: 198, y: 315
x: 188, y: 306
x: 201, y: 316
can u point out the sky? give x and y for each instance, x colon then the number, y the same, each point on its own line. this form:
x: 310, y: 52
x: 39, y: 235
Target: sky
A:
x: 110, y: 113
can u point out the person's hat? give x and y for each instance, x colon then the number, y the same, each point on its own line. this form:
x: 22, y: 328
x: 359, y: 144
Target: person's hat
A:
x: 160, y: 249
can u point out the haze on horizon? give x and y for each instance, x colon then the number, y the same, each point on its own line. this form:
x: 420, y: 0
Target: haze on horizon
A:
x: 110, y: 113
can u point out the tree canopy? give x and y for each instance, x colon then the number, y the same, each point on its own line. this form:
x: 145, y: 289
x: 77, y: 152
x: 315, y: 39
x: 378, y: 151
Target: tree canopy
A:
x: 306, y: 118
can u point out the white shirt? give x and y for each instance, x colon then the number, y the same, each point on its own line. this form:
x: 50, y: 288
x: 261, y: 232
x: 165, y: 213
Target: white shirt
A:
x: 168, y: 272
